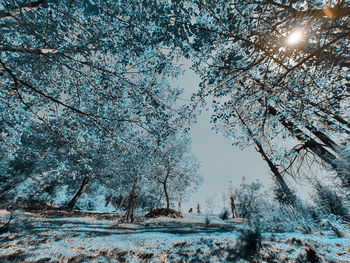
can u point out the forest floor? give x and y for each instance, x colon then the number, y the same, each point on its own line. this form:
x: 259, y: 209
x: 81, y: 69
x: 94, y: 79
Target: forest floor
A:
x: 96, y: 237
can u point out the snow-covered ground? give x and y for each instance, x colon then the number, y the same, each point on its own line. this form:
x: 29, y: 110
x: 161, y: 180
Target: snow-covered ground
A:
x: 99, y: 238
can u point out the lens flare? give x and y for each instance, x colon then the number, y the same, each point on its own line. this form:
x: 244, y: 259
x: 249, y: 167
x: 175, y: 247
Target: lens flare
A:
x: 295, y: 37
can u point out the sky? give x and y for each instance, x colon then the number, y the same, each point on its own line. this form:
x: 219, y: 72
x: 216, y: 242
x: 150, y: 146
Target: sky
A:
x: 221, y: 162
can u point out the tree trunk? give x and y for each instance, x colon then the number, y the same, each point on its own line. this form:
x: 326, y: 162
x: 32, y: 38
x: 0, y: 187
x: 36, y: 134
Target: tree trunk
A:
x: 198, y: 208
x: 233, y: 206
x: 166, y: 196
x: 81, y: 190
x: 332, y: 114
x: 295, y: 130
x: 120, y: 204
x: 317, y: 148
x: 108, y: 200
x: 310, y: 143
x: 277, y: 175
x: 166, y: 190
x: 130, y: 212
x: 333, y: 123
x: 179, y: 202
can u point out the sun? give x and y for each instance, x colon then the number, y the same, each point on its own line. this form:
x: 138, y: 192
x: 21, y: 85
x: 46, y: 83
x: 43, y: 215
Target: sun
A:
x: 295, y: 37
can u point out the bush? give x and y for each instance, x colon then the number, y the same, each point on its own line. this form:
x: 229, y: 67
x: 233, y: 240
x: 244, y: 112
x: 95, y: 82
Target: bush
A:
x: 250, y: 241
x: 258, y: 207
x: 330, y: 202
x: 250, y: 201
x: 332, y: 223
x: 164, y: 212
x: 283, y: 197
x: 207, y: 220
x: 224, y: 214
x: 344, y: 168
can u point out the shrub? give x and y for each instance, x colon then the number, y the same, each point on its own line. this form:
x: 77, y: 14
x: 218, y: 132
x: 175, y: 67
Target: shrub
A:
x: 164, y: 212
x: 224, y: 214
x: 284, y: 197
x: 250, y: 201
x: 330, y: 202
x: 272, y: 215
x: 207, y: 220
x: 250, y: 241
x: 332, y: 223
x: 344, y: 167
x: 284, y: 218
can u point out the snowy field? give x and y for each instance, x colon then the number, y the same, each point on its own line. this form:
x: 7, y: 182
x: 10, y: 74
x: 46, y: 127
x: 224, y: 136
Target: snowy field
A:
x: 88, y: 237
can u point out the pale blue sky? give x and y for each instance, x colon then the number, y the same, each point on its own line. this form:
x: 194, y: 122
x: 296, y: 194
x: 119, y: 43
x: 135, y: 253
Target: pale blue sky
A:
x: 221, y: 162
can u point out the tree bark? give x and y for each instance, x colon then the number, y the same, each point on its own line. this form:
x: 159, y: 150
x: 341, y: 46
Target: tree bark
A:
x: 317, y: 148
x: 166, y: 196
x: 179, y: 202
x: 76, y: 197
x: 309, y: 143
x: 233, y: 206
x: 108, y: 200
x: 22, y: 7
x: 331, y: 114
x: 130, y: 212
x: 278, y: 177
x: 166, y: 190
x: 295, y: 130
x: 120, y: 204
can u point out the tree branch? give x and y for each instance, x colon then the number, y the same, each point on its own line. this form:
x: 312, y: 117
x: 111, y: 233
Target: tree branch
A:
x: 28, y: 5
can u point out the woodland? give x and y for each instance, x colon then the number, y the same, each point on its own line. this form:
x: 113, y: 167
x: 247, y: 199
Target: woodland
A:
x: 90, y: 120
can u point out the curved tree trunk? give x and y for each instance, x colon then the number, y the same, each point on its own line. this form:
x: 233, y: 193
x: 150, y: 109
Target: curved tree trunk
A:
x: 165, y: 189
x: 166, y: 196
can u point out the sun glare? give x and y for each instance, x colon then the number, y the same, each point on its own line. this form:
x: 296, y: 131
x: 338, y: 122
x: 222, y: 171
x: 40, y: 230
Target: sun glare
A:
x: 295, y: 37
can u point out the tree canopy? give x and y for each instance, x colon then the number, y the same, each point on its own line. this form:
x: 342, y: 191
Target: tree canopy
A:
x: 96, y: 75
x: 267, y: 86
x: 91, y: 66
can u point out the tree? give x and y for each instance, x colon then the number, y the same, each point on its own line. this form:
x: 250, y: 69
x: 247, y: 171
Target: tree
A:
x: 46, y: 165
x: 176, y: 167
x: 95, y: 74
x: 282, y: 88
x: 103, y: 61
x: 39, y: 164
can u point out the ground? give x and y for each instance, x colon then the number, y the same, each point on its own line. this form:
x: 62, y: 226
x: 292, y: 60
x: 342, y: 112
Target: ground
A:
x: 94, y: 237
